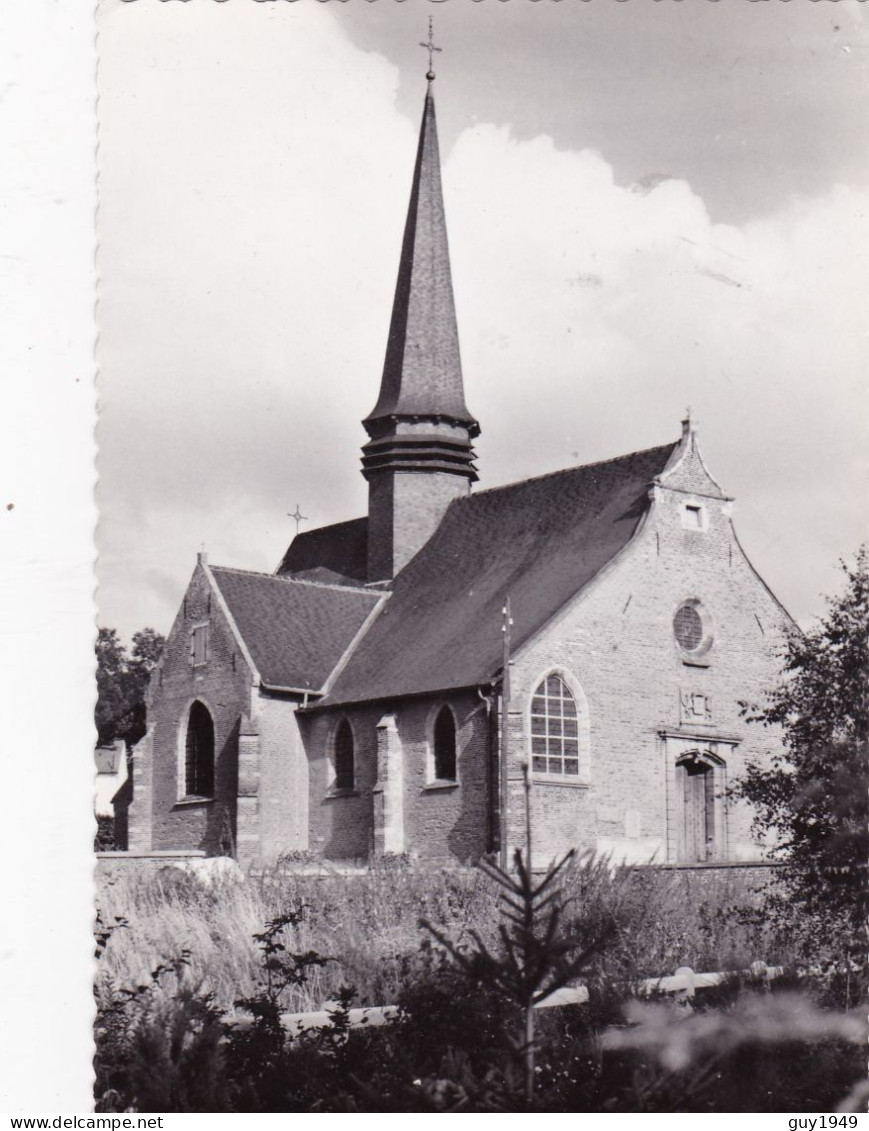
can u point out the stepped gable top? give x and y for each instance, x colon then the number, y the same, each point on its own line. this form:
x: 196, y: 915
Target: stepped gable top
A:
x: 541, y: 540
x: 336, y: 554
x: 296, y: 631
x: 422, y: 371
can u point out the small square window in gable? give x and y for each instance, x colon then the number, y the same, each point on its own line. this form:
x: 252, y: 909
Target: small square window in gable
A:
x: 693, y: 516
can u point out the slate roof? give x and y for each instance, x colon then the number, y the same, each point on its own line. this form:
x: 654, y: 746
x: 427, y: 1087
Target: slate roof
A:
x: 422, y: 371
x: 541, y: 540
x: 295, y: 631
x: 336, y: 554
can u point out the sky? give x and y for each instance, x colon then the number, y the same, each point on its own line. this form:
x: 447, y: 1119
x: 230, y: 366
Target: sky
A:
x: 649, y: 205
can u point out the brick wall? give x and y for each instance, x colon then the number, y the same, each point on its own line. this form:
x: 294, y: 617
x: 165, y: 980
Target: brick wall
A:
x: 440, y: 822
x: 341, y: 825
x: 644, y: 704
x: 404, y: 510
x: 452, y: 822
x: 158, y: 818
x: 730, y: 885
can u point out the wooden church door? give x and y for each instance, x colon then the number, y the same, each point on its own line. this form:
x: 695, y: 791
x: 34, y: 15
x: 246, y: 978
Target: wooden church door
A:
x: 698, y: 810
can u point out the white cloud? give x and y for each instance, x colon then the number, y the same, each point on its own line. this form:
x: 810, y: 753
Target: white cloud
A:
x: 250, y: 242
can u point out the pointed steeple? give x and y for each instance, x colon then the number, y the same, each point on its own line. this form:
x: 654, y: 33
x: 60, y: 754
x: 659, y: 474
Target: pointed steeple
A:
x: 419, y: 456
x: 422, y: 373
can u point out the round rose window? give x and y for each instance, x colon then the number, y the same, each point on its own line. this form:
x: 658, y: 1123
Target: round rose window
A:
x: 688, y: 628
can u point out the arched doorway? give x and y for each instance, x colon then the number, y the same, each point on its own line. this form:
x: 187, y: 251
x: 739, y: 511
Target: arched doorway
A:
x: 695, y: 777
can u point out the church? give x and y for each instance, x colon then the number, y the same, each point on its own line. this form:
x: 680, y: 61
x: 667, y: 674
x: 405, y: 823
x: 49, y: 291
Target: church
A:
x: 392, y: 687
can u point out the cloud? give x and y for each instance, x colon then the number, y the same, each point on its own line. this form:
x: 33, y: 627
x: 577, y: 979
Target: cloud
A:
x: 250, y: 230
x: 771, y: 363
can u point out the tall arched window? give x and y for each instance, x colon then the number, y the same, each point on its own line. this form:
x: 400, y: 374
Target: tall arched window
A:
x: 199, y: 753
x: 445, y: 746
x: 554, y: 729
x: 344, y: 757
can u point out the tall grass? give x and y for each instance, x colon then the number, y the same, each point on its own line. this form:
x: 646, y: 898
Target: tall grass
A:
x: 185, y: 952
x: 369, y: 925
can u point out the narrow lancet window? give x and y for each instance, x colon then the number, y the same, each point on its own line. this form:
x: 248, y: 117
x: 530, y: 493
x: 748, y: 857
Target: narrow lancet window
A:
x: 445, y: 746
x: 345, y: 767
x: 199, y: 753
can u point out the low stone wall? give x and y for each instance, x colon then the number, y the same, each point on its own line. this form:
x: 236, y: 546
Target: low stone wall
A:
x: 732, y: 884
x: 111, y: 864
x: 737, y: 884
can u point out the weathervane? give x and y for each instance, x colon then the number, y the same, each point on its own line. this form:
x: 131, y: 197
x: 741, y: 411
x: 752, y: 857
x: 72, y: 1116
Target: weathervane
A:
x: 430, y: 47
x: 298, y: 516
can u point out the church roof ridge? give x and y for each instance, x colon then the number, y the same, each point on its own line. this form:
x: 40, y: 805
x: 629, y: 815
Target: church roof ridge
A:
x: 298, y: 580
x: 639, y: 454
x: 539, y: 540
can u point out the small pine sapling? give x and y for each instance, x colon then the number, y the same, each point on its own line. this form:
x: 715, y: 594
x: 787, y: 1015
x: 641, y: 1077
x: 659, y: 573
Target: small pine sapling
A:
x: 537, y: 957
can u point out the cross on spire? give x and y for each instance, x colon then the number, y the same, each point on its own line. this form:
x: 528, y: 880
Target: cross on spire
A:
x: 298, y: 516
x: 430, y: 47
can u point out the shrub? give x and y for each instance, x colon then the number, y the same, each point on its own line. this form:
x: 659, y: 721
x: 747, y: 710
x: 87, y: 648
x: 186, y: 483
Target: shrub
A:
x: 158, y: 1046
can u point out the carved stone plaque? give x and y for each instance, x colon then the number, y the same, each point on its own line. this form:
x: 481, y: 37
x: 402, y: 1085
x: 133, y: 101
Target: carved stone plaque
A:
x: 694, y: 707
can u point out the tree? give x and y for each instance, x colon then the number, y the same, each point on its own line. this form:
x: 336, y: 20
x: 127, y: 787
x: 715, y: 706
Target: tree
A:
x: 537, y: 955
x: 813, y: 797
x: 122, y: 682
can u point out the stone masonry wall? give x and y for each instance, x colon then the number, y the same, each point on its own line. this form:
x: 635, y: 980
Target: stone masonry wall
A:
x: 283, y: 796
x: 616, y: 642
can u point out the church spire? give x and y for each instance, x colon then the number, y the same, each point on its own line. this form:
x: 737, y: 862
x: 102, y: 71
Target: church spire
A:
x: 419, y: 456
x: 422, y: 373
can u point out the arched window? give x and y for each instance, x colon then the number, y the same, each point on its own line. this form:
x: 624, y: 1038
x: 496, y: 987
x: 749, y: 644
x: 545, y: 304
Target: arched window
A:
x: 445, y: 746
x: 199, y: 753
x: 696, y: 792
x: 554, y: 729
x: 344, y: 757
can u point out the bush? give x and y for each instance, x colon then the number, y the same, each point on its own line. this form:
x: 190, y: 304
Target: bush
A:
x: 158, y: 1046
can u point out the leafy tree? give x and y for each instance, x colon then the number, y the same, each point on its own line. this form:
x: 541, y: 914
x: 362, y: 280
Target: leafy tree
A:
x: 122, y: 681
x: 111, y: 662
x: 813, y: 798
